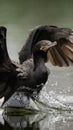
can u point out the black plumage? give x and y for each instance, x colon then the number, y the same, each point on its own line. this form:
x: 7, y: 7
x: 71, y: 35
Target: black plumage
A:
x: 14, y: 75
x: 61, y: 54
x: 32, y: 65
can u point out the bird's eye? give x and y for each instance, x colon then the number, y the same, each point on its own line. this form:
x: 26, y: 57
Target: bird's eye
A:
x: 44, y: 48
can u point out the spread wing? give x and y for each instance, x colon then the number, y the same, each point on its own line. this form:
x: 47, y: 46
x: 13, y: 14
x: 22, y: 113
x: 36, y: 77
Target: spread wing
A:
x: 62, y: 53
x: 4, y: 61
x: 59, y: 55
x: 10, y: 72
x: 7, y: 73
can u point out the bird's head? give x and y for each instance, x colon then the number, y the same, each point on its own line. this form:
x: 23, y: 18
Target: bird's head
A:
x: 42, y: 47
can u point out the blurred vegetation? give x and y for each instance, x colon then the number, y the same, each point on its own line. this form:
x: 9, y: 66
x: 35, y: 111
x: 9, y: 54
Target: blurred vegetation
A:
x: 19, y: 16
x: 34, y: 12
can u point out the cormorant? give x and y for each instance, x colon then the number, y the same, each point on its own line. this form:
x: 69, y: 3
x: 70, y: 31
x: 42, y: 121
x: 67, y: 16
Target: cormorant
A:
x: 61, y: 54
x: 14, y: 75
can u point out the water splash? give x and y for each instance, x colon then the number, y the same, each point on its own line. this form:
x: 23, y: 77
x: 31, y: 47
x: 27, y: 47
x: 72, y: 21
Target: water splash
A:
x: 54, y: 101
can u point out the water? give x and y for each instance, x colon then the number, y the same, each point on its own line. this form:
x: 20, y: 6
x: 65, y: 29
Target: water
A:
x: 52, y: 110
x: 54, y: 107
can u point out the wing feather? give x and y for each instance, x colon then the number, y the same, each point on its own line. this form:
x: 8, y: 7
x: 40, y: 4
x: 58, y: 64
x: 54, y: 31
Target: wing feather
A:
x: 68, y: 50
x: 57, y: 57
x: 62, y: 53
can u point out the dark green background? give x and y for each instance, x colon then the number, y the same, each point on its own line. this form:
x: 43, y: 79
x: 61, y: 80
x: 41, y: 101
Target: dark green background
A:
x: 29, y: 13
x: 20, y: 16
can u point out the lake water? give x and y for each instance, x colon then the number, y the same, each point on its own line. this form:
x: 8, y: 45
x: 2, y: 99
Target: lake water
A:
x: 55, y: 102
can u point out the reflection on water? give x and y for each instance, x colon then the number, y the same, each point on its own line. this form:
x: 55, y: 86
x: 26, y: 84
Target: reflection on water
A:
x: 40, y: 121
x: 27, y: 122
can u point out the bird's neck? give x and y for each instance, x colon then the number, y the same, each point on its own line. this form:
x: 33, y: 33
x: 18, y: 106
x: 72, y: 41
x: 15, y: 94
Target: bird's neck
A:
x: 38, y: 62
x: 40, y: 70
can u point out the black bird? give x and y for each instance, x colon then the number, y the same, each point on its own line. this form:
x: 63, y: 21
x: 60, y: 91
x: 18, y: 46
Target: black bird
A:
x: 14, y: 75
x: 59, y: 55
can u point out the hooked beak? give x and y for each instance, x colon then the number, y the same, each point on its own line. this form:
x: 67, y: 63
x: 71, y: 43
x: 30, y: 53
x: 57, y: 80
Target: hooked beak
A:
x: 48, y: 45
x: 52, y: 44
